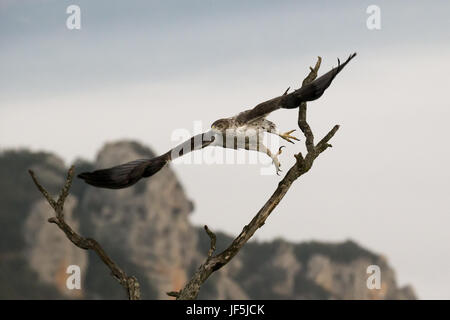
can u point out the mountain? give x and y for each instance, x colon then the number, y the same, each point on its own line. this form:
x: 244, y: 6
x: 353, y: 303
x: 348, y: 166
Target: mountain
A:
x: 146, y: 230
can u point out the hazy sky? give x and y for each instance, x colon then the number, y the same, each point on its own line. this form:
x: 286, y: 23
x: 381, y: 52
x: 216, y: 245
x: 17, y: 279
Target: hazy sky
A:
x: 142, y: 69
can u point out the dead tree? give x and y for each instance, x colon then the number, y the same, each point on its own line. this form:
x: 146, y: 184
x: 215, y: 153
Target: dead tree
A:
x: 213, y: 261
x: 130, y: 283
x: 302, y: 165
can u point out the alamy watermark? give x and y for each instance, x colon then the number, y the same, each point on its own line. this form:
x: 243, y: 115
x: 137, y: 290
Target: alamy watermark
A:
x: 374, y: 280
x: 74, y: 279
x: 262, y: 147
x: 373, y: 21
x: 73, y: 21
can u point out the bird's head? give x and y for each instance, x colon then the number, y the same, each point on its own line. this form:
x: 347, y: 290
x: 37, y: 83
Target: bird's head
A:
x: 220, y: 125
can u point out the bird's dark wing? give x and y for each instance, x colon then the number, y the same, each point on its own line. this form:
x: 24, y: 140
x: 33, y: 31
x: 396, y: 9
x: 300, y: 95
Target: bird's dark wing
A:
x: 197, y: 142
x: 309, y: 92
x: 123, y: 175
x: 129, y: 173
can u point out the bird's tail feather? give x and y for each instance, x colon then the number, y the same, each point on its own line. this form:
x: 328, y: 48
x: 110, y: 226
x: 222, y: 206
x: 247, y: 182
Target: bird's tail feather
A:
x: 124, y: 175
x: 315, y: 89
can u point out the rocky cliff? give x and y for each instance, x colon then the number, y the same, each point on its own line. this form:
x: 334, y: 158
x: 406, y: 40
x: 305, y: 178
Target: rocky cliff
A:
x: 146, y: 230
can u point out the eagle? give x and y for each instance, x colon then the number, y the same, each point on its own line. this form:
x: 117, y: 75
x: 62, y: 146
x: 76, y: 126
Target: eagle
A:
x: 242, y: 131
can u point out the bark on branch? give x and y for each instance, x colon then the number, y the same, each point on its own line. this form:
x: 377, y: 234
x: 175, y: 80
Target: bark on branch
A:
x: 130, y: 283
x: 301, y: 166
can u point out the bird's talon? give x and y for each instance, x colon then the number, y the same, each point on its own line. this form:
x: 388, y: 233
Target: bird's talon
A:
x: 288, y: 137
x: 277, y: 164
x: 280, y: 150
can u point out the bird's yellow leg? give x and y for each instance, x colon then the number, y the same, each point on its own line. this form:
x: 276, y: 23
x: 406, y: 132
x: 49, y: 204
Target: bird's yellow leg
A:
x: 288, y: 137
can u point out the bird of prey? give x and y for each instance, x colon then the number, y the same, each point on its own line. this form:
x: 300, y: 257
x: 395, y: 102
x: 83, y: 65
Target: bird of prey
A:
x: 242, y: 131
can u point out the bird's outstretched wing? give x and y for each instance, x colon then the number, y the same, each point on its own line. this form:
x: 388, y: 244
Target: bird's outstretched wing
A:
x: 309, y: 92
x: 129, y: 173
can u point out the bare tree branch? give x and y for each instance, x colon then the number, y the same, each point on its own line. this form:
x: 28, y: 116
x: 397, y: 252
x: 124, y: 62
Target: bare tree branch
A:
x: 212, y: 236
x: 302, y: 124
x: 130, y: 283
x: 301, y: 166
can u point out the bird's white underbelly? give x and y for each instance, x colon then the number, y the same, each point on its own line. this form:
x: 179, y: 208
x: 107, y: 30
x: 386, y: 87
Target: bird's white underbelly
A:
x: 238, y: 138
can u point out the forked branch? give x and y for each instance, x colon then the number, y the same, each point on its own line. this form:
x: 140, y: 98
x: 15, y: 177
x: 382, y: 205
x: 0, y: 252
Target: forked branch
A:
x: 130, y: 283
x: 301, y: 166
